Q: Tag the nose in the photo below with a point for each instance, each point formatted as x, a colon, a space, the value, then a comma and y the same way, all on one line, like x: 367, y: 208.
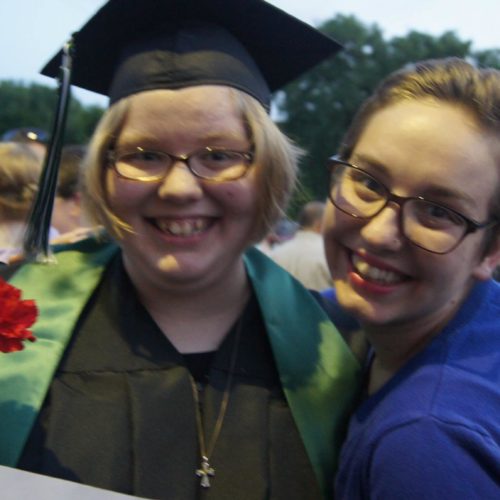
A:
x: 384, y: 230
x: 180, y: 184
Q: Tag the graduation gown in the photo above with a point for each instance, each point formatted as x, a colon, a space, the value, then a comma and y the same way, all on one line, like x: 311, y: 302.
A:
x: 119, y: 413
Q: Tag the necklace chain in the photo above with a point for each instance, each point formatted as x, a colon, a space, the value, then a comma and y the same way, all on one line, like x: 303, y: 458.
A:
x: 206, y: 471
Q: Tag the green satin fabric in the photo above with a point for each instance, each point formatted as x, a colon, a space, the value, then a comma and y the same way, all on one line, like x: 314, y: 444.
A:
x: 318, y: 372
x: 60, y: 291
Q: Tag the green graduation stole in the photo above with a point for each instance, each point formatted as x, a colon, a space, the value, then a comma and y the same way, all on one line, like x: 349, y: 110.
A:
x: 318, y: 373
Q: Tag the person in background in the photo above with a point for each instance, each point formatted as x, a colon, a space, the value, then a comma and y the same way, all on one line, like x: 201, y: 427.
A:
x: 283, y: 230
x: 412, y: 238
x: 20, y: 169
x: 303, y: 256
x: 68, y: 220
x: 166, y: 364
x: 35, y: 137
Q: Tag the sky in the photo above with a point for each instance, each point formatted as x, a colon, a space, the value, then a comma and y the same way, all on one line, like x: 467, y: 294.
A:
x: 33, y: 30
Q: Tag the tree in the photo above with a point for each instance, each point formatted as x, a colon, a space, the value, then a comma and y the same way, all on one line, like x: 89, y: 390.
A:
x: 34, y: 105
x: 316, y: 109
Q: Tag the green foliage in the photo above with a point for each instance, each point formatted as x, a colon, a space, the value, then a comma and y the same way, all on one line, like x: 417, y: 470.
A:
x: 316, y: 109
x: 488, y: 58
x: 34, y: 105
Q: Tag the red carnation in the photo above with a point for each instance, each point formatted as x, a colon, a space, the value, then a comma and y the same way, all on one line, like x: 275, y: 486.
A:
x: 16, y: 316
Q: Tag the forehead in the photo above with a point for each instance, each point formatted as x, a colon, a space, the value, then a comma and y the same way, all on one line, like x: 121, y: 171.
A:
x: 430, y: 144
x: 200, y: 110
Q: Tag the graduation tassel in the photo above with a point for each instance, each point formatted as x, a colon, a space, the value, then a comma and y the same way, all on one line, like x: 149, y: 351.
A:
x: 36, y: 240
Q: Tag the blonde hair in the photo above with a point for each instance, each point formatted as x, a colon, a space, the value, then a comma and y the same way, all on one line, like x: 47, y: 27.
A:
x: 275, y: 163
x: 20, y: 170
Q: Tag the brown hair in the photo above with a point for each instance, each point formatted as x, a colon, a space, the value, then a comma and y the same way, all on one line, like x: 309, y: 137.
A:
x: 20, y: 170
x: 451, y: 80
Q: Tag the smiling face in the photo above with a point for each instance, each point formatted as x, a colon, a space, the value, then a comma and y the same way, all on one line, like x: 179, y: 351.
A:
x: 186, y: 231
x: 415, y: 148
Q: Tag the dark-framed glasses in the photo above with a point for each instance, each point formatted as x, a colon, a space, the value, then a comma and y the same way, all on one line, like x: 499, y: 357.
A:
x: 209, y: 163
x: 428, y: 225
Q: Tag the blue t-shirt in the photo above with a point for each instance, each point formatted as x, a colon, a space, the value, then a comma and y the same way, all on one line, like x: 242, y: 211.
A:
x: 433, y: 430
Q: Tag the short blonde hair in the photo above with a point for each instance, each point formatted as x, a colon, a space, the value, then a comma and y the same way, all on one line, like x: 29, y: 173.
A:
x: 275, y: 161
x: 20, y: 170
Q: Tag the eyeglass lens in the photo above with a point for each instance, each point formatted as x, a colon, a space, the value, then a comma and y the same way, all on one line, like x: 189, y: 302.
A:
x: 207, y: 163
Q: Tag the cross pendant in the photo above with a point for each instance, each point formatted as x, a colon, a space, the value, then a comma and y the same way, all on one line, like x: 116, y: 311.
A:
x: 205, y: 472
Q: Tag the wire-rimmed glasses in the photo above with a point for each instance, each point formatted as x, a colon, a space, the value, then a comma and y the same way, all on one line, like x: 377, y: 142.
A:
x: 208, y: 163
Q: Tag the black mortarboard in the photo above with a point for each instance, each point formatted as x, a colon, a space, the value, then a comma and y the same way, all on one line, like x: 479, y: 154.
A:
x: 133, y: 45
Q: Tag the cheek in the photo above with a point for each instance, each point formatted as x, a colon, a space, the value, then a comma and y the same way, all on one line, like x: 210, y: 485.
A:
x: 333, y: 227
x: 457, y: 267
x: 122, y: 194
x: 237, y: 197
x: 330, y: 236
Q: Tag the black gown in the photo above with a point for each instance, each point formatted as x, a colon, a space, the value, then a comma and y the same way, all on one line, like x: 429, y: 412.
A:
x: 120, y: 412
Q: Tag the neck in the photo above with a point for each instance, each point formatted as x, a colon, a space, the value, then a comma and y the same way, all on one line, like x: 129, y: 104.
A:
x: 395, y: 345
x: 197, y: 319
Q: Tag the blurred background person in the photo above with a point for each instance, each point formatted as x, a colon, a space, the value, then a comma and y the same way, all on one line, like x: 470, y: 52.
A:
x: 35, y: 137
x: 282, y: 231
x: 67, y: 212
x: 303, y: 255
x: 20, y: 169
x: 68, y: 221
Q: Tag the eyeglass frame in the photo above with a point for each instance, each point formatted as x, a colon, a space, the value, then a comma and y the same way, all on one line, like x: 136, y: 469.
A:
x: 471, y: 225
x: 113, y: 158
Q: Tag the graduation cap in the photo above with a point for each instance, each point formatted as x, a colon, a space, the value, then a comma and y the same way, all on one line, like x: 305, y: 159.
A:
x: 131, y: 46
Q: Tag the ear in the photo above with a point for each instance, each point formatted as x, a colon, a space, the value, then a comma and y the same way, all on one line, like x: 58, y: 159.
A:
x: 490, y: 261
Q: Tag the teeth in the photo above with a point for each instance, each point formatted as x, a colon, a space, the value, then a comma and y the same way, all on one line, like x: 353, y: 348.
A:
x: 374, y: 273
x: 175, y: 228
x: 183, y: 228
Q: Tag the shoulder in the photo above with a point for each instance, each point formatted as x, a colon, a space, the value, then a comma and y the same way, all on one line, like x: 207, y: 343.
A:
x: 8, y: 270
x: 68, y: 259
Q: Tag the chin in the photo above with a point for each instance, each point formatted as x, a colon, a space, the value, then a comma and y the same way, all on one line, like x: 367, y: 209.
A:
x: 356, y: 306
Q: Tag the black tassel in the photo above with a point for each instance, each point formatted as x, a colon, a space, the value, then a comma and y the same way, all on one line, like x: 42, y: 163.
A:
x: 36, y: 240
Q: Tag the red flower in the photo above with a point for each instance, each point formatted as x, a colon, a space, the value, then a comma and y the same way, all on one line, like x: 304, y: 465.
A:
x: 16, y: 316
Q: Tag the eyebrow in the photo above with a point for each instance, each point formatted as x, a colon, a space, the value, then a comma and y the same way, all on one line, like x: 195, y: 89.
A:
x: 151, y: 140
x: 430, y: 192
